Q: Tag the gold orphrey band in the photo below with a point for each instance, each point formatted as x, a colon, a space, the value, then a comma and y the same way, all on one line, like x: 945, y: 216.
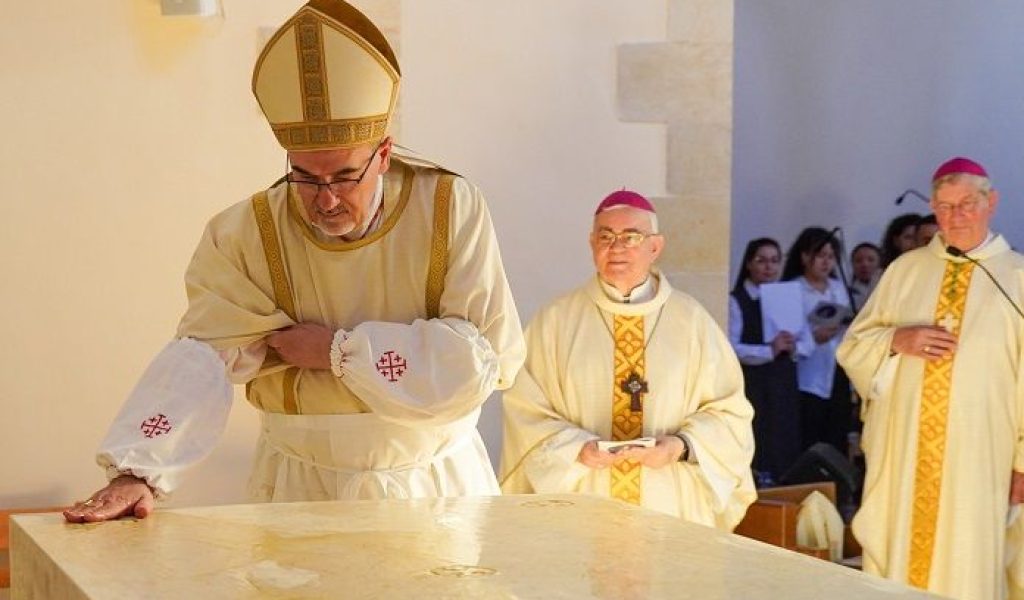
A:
x: 627, y: 424
x: 931, y: 427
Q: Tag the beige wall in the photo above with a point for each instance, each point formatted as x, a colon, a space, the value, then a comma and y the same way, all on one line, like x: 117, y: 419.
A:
x: 127, y: 130
x: 686, y: 83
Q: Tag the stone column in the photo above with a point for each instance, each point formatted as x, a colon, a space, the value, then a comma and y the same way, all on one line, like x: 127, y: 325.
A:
x: 686, y: 83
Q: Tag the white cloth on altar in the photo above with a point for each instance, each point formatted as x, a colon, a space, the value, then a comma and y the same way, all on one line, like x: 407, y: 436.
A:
x: 563, y: 399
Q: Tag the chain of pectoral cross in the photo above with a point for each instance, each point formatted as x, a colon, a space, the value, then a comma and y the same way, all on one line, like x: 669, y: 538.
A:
x: 634, y: 385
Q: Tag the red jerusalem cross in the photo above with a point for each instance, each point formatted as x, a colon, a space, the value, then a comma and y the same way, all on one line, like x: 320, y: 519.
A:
x: 155, y: 426
x: 391, y: 365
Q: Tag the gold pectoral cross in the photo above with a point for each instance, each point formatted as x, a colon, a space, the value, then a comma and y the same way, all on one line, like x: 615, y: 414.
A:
x: 635, y: 386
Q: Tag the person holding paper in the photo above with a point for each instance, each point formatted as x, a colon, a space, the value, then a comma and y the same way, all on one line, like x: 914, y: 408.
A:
x: 769, y: 369
x: 826, y: 409
x: 937, y: 355
x: 623, y: 357
x: 361, y: 299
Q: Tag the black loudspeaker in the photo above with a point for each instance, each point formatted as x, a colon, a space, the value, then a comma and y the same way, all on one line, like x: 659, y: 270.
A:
x: 822, y: 462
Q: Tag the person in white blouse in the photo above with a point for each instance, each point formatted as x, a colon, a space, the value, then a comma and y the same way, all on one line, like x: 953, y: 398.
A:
x: 826, y: 407
x: 769, y: 367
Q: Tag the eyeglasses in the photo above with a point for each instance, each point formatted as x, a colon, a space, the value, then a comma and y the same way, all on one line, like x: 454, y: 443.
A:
x: 337, y: 187
x: 967, y: 207
x: 629, y: 238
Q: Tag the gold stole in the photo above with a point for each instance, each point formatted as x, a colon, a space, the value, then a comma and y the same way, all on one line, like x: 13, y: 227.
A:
x: 626, y: 423
x: 284, y: 297
x: 931, y: 426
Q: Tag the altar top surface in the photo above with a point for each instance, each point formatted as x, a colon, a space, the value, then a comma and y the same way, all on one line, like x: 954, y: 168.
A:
x: 483, y: 547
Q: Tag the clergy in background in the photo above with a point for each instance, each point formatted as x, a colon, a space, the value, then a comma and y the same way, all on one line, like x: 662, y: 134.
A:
x: 627, y: 357
x: 361, y: 299
x: 937, y: 354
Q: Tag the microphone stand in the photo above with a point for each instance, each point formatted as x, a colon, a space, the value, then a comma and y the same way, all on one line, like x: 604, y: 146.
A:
x: 914, y: 193
x: 958, y: 253
x: 842, y: 272
x: 841, y: 256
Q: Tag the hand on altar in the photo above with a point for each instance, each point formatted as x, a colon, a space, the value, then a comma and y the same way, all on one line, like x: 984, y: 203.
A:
x: 306, y: 345
x: 666, y: 451
x: 595, y: 458
x: 1016, y: 487
x: 123, y: 497
x: 924, y: 341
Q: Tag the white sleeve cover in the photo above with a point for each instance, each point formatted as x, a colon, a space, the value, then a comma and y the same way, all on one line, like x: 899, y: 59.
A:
x: 172, y: 419
x: 432, y: 371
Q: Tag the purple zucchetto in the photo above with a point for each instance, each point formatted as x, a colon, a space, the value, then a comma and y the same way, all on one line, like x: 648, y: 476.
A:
x: 958, y: 165
x: 624, y: 198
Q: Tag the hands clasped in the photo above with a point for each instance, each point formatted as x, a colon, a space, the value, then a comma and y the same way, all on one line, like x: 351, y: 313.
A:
x: 666, y: 451
x: 929, y: 342
x: 306, y: 345
x: 783, y: 342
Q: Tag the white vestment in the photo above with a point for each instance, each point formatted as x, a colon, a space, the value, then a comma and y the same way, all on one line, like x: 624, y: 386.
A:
x: 401, y: 421
x: 984, y: 427
x: 563, y: 399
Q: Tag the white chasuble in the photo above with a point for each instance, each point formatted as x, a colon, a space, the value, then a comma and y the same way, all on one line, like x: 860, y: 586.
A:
x: 941, y: 437
x: 431, y: 332
x: 571, y: 391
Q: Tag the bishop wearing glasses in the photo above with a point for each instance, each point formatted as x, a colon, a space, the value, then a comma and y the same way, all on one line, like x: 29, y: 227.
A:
x: 361, y: 300
x: 630, y: 389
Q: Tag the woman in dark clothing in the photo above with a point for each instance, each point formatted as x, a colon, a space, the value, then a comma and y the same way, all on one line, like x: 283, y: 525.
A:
x: 769, y: 368
x: 899, y: 237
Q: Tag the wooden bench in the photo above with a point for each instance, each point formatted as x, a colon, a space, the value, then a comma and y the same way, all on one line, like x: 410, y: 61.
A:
x: 5, y: 539
x: 772, y: 518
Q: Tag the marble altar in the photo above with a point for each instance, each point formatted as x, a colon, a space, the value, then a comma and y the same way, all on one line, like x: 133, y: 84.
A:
x: 555, y: 546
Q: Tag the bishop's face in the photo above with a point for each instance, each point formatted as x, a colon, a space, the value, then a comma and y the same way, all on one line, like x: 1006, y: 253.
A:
x: 963, y: 212
x: 339, y: 208
x: 619, y: 263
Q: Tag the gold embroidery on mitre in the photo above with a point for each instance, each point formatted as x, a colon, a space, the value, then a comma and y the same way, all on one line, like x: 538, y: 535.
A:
x: 627, y: 424
x: 296, y: 95
x: 931, y: 429
x: 312, y: 72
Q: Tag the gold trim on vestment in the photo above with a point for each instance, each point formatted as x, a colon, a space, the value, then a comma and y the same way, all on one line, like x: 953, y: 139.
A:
x: 931, y: 428
x: 272, y: 250
x: 627, y: 424
x: 342, y: 245
x: 439, y: 245
x: 282, y: 289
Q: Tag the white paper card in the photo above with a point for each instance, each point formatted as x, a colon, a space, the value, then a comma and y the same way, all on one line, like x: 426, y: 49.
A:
x: 610, y: 446
x: 781, y: 309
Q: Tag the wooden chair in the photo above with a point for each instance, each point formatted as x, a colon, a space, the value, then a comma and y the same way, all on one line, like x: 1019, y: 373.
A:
x: 5, y: 539
x: 772, y: 518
